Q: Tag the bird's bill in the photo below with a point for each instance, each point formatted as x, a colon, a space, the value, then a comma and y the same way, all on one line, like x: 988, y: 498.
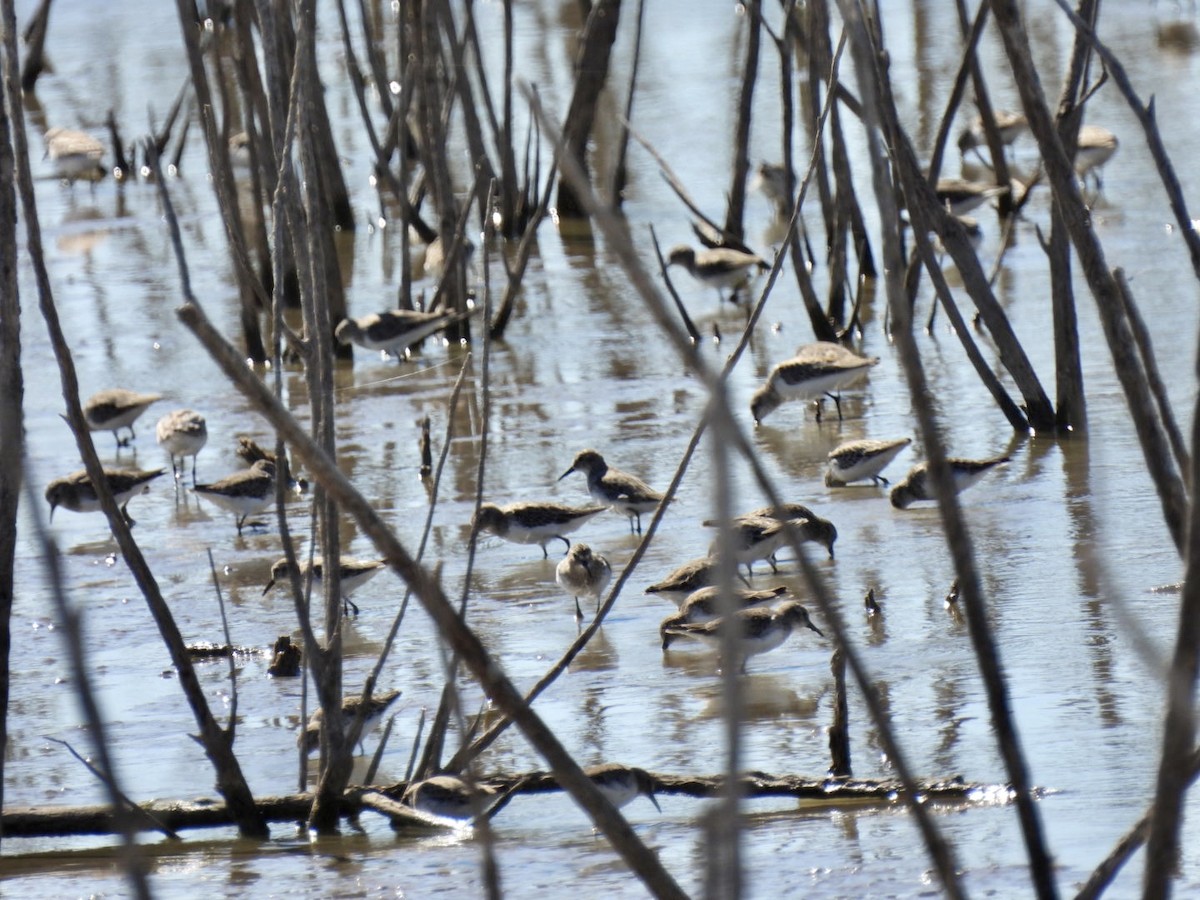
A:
x: 53, y: 507
x: 566, y: 473
x: 815, y: 628
x: 654, y: 800
x: 270, y: 584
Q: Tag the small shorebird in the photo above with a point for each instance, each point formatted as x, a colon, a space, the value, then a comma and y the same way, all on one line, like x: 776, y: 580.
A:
x: 352, y: 574
x: 1096, y: 146
x: 614, y: 488
x: 916, y: 485
x: 76, y: 493
x: 721, y: 267
x: 181, y: 433
x: 819, y: 368
x: 960, y: 196
x: 689, y: 577
x: 752, y: 538
x: 622, y: 784
x: 703, y: 605
x: 810, y: 526
x: 449, y: 797
x: 860, y: 460
x: 310, y: 737
x: 1009, y: 127
x: 582, y: 573
x: 244, y: 493
x: 759, y: 629
x: 75, y: 154
x: 533, y: 523
x: 394, y: 331
x: 115, y: 409
x: 771, y: 179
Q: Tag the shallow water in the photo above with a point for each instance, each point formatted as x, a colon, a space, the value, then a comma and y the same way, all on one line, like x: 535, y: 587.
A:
x: 1069, y: 536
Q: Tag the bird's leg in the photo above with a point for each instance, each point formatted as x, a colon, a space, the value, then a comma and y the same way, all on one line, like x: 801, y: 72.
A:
x: 745, y: 580
x: 932, y: 315
x: 771, y: 560
x: 578, y: 612
x: 837, y: 401
x: 125, y: 513
x: 879, y: 479
x: 817, y: 404
x: 565, y: 541
x: 239, y: 525
x: 545, y: 552
x: 193, y: 471
x: 346, y: 601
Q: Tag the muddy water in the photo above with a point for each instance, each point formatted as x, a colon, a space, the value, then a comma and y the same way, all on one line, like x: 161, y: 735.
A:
x: 1069, y: 536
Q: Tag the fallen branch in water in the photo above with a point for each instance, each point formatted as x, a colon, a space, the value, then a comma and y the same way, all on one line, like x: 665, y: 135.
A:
x: 204, y: 813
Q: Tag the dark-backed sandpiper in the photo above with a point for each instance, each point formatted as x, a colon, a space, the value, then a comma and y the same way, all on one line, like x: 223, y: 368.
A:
x: 310, y: 737
x: 689, y: 577
x: 76, y: 492
x: 622, y: 784
x: 917, y: 486
x: 449, y: 797
x: 960, y: 196
x: 821, y: 368
x: 533, y: 523
x: 704, y: 605
x: 721, y: 267
x: 353, y: 574
x: 245, y: 493
x: 394, y: 331
x: 760, y: 629
x: 751, y: 538
x: 860, y: 460
x: 809, y: 526
x: 115, y: 409
x: 614, y: 488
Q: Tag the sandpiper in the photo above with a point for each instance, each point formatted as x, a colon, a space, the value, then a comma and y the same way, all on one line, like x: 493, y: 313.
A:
x: 181, y: 433
x: 703, y: 605
x: 1009, y: 127
x: 76, y: 493
x: 1096, y: 146
x: 860, y: 460
x: 352, y: 573
x: 752, y: 538
x: 394, y: 331
x: 244, y: 493
x: 533, y: 523
x: 582, y: 573
x: 721, y: 267
x: 115, y: 409
x: 819, y: 368
x: 310, y: 737
x: 960, y: 196
x: 689, y: 577
x: 614, y: 488
x: 807, y: 523
x: 449, y: 797
x: 75, y: 154
x: 759, y: 629
x: 916, y: 485
x: 622, y: 784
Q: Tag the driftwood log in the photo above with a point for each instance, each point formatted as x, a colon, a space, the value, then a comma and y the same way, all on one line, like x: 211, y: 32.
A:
x: 211, y: 813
